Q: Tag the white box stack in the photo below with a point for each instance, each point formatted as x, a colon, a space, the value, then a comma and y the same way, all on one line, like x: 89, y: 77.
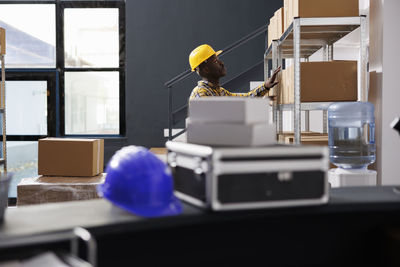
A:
x: 230, y: 121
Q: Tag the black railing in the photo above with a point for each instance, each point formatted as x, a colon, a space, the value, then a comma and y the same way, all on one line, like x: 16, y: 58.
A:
x: 180, y: 114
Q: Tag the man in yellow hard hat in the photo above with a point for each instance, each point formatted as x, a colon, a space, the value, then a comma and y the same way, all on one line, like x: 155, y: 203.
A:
x: 204, y: 60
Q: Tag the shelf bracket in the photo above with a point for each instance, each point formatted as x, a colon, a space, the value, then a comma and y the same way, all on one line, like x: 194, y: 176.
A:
x: 297, y: 111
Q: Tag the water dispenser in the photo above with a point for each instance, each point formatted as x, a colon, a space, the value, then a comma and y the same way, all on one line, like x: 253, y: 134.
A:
x: 351, y: 143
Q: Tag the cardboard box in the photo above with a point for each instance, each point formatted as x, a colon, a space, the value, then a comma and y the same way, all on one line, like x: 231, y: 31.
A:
x: 242, y: 110
x: 274, y: 91
x: 282, y: 85
x: 160, y: 152
x: 321, y: 82
x: 309, y: 140
x: 286, y: 10
x: 279, y: 14
x: 70, y: 157
x: 282, y: 89
x: 2, y: 41
x: 224, y: 134
x: 325, y: 8
x: 306, y: 137
x: 272, y: 34
x: 320, y: 8
x: 46, y: 189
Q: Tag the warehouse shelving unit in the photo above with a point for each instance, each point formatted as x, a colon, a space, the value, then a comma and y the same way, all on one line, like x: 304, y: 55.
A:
x: 3, y: 155
x: 303, y: 38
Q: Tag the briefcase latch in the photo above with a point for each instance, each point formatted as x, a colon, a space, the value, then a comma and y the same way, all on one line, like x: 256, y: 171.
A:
x: 198, y: 169
x: 172, y: 159
x: 285, y: 176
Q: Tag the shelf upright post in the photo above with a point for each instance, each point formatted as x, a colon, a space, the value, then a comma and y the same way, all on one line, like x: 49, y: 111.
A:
x: 330, y: 52
x: 363, y: 61
x: 296, y: 50
x: 325, y: 121
x: 277, y: 116
x: 3, y: 106
x: 3, y: 95
x: 280, y: 115
x: 275, y: 56
x: 328, y: 56
x: 307, y: 112
x: 266, y: 67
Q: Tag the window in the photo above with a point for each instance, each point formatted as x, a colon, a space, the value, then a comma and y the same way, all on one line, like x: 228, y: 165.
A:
x: 91, y: 78
x: 65, y: 74
x: 91, y: 102
x: 26, y: 104
x: 30, y: 115
x: 91, y: 37
x: 31, y: 35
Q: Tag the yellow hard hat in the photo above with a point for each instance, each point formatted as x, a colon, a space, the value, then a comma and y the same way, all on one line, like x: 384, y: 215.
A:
x: 200, y: 54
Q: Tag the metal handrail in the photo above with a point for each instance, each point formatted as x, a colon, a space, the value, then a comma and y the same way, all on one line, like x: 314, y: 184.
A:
x: 225, y: 51
x: 187, y: 73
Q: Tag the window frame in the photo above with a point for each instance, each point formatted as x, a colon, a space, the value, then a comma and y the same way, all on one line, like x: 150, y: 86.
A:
x: 51, y: 76
x: 55, y: 76
x: 60, y: 59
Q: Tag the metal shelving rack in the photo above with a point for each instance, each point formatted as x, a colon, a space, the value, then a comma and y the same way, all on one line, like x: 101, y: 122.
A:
x: 3, y: 158
x: 303, y: 38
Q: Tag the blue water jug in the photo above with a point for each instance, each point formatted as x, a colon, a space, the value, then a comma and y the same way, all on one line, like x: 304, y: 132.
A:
x: 351, y: 134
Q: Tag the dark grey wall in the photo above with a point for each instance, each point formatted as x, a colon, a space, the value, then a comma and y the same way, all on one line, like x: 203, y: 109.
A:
x: 160, y: 34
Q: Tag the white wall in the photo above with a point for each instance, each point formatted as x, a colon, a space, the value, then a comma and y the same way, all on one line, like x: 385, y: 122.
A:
x: 390, y: 91
x: 384, y: 85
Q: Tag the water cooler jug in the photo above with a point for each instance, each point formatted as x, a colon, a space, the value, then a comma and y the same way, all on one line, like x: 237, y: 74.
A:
x: 351, y: 143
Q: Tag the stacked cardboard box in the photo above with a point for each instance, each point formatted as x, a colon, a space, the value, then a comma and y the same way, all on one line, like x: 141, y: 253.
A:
x: 70, y: 157
x: 311, y: 91
x: 283, y: 17
x: 160, y: 152
x: 48, y: 189
x: 69, y: 169
x: 321, y: 82
x: 276, y: 26
x: 318, y: 8
x: 230, y: 121
x: 307, y: 138
x: 275, y: 31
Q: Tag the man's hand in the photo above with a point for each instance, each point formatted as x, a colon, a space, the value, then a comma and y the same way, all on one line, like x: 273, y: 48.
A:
x: 271, y: 81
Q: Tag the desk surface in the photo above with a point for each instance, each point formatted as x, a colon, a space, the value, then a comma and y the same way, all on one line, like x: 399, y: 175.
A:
x: 100, y: 215
x: 348, y: 231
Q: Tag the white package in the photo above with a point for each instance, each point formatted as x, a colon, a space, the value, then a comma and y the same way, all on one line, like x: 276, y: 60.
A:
x: 229, y: 134
x: 243, y: 110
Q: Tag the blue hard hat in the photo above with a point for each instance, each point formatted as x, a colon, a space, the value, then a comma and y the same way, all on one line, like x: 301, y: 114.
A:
x: 138, y: 181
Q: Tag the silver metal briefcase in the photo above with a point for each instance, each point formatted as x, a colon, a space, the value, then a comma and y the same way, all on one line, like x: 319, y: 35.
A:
x: 231, y: 178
